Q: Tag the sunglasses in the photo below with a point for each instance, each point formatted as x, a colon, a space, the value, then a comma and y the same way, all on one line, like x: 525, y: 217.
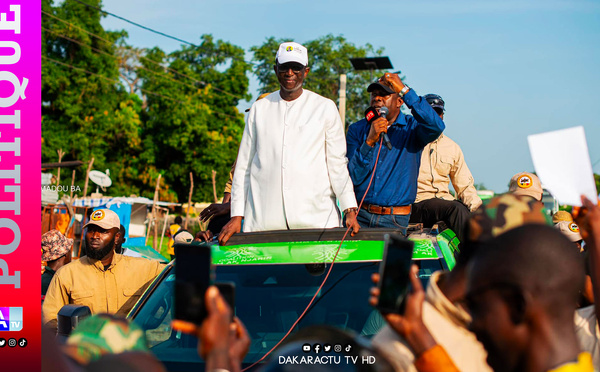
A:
x: 294, y: 66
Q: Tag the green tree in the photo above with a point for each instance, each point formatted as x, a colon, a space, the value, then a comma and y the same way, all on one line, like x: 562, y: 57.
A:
x: 480, y: 186
x: 139, y: 113
x: 328, y: 57
x: 191, y: 125
x: 85, y: 110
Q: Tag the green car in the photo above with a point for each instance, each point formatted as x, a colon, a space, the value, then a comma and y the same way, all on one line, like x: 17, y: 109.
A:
x: 276, y: 274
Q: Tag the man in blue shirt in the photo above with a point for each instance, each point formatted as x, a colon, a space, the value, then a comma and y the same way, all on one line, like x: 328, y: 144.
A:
x: 394, y: 187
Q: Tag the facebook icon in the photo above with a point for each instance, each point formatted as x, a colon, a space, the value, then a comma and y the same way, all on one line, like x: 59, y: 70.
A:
x: 11, y: 318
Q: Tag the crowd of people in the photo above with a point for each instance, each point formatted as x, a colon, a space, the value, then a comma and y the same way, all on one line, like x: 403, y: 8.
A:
x: 520, y: 297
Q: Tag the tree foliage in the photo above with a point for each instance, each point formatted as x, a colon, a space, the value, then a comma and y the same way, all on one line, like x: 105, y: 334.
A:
x: 480, y: 186
x: 328, y: 57
x: 139, y: 112
x: 85, y: 111
x: 192, y: 125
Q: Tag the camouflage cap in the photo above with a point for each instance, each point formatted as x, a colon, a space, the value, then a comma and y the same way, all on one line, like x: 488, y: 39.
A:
x: 103, y: 334
x: 55, y: 245
x: 562, y: 216
x: 504, y: 213
x: 570, y: 229
x: 526, y: 183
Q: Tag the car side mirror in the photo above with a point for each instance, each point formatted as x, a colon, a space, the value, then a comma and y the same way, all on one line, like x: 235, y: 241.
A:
x: 69, y: 317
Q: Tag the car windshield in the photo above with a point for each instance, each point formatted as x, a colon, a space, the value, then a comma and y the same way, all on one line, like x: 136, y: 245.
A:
x: 427, y: 268
x: 269, y: 299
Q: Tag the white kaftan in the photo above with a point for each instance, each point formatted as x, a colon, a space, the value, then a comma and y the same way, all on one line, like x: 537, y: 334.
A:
x: 292, y: 165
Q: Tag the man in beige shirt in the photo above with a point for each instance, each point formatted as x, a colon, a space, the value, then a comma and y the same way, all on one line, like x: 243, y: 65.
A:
x: 443, y: 162
x: 104, y: 281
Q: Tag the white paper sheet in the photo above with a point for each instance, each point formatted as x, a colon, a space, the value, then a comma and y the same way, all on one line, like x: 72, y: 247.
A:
x: 562, y: 162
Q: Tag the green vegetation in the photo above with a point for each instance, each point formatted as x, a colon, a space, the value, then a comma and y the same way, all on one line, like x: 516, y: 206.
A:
x: 163, y: 248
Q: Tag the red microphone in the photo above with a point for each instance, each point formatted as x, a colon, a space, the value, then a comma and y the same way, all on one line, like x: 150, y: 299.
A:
x: 371, y: 115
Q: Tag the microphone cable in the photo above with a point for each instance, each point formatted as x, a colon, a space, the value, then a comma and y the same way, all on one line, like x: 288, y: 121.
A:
x: 330, y: 267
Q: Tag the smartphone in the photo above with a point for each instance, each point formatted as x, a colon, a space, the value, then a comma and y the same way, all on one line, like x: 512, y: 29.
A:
x: 227, y: 290
x: 193, y: 276
x: 394, y: 273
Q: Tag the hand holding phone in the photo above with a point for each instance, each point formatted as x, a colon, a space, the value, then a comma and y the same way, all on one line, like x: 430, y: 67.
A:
x: 409, y: 325
x: 193, y: 276
x: 394, y: 274
x: 227, y: 291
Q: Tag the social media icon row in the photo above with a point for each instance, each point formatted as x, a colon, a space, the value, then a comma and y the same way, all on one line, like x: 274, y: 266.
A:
x: 327, y: 348
x: 12, y: 342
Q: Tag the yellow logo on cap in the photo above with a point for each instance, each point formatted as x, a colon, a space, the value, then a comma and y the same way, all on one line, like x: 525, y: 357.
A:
x: 524, y: 182
x: 573, y: 227
x: 98, y: 215
x: 289, y: 48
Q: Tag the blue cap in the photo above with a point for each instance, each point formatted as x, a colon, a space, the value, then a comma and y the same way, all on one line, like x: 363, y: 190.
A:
x: 435, y: 101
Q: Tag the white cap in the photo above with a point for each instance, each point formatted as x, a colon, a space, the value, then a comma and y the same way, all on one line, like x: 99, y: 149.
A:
x: 570, y: 229
x: 526, y: 183
x: 292, y: 52
x: 183, y: 237
x: 105, y: 218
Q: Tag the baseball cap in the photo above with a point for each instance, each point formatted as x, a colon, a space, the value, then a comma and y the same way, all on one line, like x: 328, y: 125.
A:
x: 183, y: 236
x: 55, y: 245
x: 570, y: 229
x: 105, y: 218
x: 526, y: 183
x: 562, y: 216
x: 292, y: 52
x: 103, y: 334
x: 435, y: 101
x: 378, y: 85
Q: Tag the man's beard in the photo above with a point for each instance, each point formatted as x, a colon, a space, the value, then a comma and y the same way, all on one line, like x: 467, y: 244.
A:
x: 98, y: 254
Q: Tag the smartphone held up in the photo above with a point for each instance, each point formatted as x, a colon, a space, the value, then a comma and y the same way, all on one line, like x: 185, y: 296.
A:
x: 193, y: 276
x: 394, y: 272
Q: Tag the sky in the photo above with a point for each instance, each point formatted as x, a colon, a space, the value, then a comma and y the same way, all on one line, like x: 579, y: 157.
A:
x: 506, y: 69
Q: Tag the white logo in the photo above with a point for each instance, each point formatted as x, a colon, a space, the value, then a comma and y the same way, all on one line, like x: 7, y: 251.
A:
x: 327, y: 253
x: 2, y: 321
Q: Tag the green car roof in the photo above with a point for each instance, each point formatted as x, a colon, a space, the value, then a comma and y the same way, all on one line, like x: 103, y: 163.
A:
x: 317, y: 251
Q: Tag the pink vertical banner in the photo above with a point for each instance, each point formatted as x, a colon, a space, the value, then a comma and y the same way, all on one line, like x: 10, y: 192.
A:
x: 20, y: 184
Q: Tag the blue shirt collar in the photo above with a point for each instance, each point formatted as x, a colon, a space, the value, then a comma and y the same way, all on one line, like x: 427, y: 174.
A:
x: 401, y: 119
